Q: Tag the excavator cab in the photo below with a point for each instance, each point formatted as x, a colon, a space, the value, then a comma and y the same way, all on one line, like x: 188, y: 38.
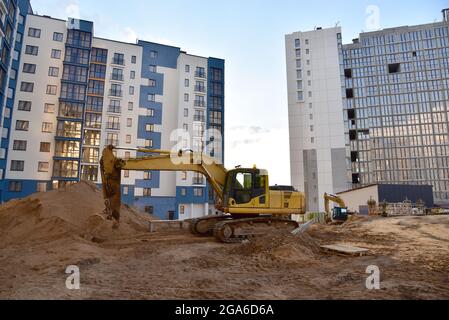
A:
x: 246, y: 188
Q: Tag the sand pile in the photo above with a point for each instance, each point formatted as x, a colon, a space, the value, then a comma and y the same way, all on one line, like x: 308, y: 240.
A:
x: 74, y: 211
x: 282, y: 247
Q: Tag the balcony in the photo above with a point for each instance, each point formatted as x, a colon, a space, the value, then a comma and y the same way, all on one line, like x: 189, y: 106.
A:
x: 114, y: 109
x: 113, y: 126
x: 201, y: 75
x: 117, y: 77
x: 116, y: 93
x: 200, y: 103
x: 200, y: 89
x: 112, y: 142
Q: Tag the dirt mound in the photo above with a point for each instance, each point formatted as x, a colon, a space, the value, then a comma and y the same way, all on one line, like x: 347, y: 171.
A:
x: 74, y: 211
x: 281, y: 247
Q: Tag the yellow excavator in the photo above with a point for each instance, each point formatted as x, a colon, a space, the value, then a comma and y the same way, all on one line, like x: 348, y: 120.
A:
x: 339, y: 213
x: 249, y: 205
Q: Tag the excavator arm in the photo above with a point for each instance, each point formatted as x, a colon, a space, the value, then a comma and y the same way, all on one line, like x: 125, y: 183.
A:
x: 333, y: 198
x: 159, y: 160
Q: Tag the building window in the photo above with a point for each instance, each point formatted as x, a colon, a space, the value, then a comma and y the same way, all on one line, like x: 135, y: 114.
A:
x: 150, y: 112
x: 56, y: 54
x: 29, y: 68
x: 182, y: 210
x: 99, y: 55
x: 200, y: 72
x: 307, y: 51
x: 186, y: 112
x: 52, y: 90
x: 184, y: 175
x: 300, y: 96
x: 132, y: 75
x: 45, y: 147
x: 149, y: 128
x: 42, y: 187
x: 116, y: 90
x: 133, y: 59
x: 22, y: 125
x: 117, y: 74
x: 126, y: 173
x: 129, y: 122
x: 147, y: 192
x: 20, y: 145
x: 185, y: 127
x: 149, y: 209
x: 153, y: 68
x: 58, y: 36
x: 43, y: 167
x: 47, y: 127
x: 148, y: 143
x: 114, y: 106
x: 24, y: 105
x: 27, y: 87
x: 151, y: 97
x: 186, y: 83
x: 34, y: 33
x: 183, y: 192
x: 131, y: 90
x: 125, y: 190
x: 151, y: 82
x: 17, y: 165
x: 119, y: 59
x: 147, y: 175
x: 128, y: 138
x: 15, y: 186
x: 297, y: 43
x: 187, y: 68
x: 49, y: 108
x: 394, y: 68
x: 130, y: 106
x: 153, y: 54
x: 53, y: 72
x: 127, y: 155
x: 198, y: 192
x: 186, y: 97
x: 298, y: 53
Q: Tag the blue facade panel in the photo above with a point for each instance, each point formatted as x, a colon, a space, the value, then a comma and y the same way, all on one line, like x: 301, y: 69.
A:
x: 161, y: 205
x: 28, y: 188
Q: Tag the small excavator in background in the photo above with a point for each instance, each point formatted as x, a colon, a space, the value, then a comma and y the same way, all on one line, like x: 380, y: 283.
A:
x: 249, y: 205
x: 339, y: 213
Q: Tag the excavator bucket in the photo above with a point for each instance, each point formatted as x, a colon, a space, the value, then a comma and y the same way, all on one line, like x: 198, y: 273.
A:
x: 111, y: 179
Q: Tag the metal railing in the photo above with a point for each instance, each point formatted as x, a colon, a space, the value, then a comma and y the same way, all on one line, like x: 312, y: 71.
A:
x: 200, y: 75
x: 200, y: 103
x: 198, y: 180
x: 199, y: 118
x: 200, y: 89
x: 115, y: 109
x: 116, y: 93
x: 117, y: 77
x: 113, y: 126
x: 119, y: 62
x: 112, y: 142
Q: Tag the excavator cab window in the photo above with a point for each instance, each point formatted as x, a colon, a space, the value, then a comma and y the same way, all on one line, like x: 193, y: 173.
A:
x: 242, y: 192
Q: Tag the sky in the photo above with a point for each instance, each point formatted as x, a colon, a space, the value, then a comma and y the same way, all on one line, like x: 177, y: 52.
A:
x: 249, y: 35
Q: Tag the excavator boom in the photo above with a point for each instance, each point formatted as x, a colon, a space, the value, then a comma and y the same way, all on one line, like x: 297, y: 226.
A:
x: 111, y: 168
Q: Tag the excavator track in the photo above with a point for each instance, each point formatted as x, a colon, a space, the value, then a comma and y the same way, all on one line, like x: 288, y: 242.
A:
x: 238, y: 230
x: 205, y: 226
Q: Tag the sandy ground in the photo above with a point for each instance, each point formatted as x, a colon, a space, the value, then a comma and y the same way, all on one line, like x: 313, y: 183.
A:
x: 41, y: 236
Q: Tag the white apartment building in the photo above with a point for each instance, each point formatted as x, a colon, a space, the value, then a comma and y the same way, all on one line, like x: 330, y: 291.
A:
x: 77, y: 93
x: 317, y: 135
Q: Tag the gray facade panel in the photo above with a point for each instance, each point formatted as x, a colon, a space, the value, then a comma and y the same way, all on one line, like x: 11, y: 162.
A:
x: 310, y: 180
x: 339, y: 170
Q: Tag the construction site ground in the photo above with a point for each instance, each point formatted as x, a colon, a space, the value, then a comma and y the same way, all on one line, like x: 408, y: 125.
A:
x: 43, y: 234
